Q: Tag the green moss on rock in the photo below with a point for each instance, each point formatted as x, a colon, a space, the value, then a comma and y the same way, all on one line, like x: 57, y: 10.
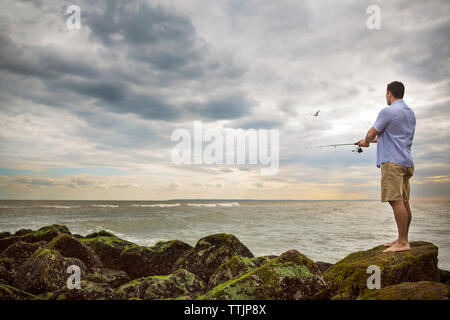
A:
x: 421, y: 290
x: 87, y: 291
x: 290, y: 276
x: 20, y: 251
x: 46, y: 234
x: 69, y: 246
x: 45, y: 271
x: 210, y: 252
x: 8, y: 292
x: 348, y: 277
x: 177, y: 284
x: 113, y: 278
x: 156, y: 260
x: 108, y: 248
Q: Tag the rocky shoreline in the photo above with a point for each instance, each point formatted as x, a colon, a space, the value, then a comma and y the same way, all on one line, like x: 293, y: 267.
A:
x: 34, y: 266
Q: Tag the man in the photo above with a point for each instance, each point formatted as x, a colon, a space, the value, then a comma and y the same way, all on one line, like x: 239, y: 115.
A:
x: 393, y: 131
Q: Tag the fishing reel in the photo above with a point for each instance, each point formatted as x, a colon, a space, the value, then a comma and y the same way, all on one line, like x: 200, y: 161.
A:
x: 358, y: 150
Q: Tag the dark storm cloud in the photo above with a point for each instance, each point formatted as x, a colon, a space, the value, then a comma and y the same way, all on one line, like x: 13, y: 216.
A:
x: 40, y: 62
x: 147, y: 52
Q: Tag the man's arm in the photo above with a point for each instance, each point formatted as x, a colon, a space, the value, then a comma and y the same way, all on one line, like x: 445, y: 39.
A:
x: 371, y: 137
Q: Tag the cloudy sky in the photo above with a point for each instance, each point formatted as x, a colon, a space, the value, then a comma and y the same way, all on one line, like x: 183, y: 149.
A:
x: 88, y: 113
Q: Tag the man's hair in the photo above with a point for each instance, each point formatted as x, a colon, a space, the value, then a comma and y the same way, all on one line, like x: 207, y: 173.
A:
x: 397, y: 89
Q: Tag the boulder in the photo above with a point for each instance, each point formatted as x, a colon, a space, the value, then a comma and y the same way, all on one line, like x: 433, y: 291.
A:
x: 108, y: 248
x: 22, y: 232
x: 235, y: 267
x: 323, y: 266
x: 20, y: 251
x: 43, y: 234
x: 291, y: 276
x: 422, y: 290
x: 177, y: 284
x: 210, y: 252
x: 5, y: 234
x: 88, y: 291
x: 444, y: 276
x: 156, y: 260
x: 8, y: 292
x: 45, y: 271
x: 7, y: 268
x: 69, y: 246
x: 114, y: 278
x: 348, y: 277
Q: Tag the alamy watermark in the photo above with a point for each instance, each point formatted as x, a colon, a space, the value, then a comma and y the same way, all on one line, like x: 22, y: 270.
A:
x: 374, y: 280
x: 73, y: 282
x: 73, y: 21
x: 373, y: 22
x: 219, y: 146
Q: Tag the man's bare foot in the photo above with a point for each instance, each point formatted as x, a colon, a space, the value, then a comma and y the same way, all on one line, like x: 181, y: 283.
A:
x: 398, y: 246
x: 390, y: 243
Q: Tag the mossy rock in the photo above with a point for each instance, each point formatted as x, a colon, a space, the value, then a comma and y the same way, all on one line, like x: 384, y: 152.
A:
x: 444, y: 276
x: 231, y: 269
x: 421, y: 290
x: 23, y: 232
x: 5, y: 234
x: 8, y: 292
x: 113, y: 278
x: 5, y: 275
x: 177, y: 284
x: 69, y: 246
x: 348, y: 277
x: 156, y: 260
x: 108, y: 248
x: 87, y: 291
x: 45, y: 271
x: 291, y: 276
x: 210, y: 252
x: 46, y: 234
x: 20, y: 251
x: 323, y: 266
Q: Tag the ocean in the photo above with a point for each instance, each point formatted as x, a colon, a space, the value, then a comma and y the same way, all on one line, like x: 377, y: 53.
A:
x: 322, y: 230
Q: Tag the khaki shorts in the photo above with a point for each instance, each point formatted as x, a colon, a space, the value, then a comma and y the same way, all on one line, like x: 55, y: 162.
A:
x: 395, y: 182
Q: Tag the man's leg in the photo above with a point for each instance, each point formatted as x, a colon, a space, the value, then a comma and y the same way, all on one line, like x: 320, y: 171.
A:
x: 408, y: 211
x: 402, y: 220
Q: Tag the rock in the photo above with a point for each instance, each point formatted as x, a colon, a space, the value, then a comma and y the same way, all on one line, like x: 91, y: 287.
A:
x: 45, y: 271
x: 22, y: 232
x: 5, y: 234
x: 69, y: 246
x: 7, y: 269
x: 348, y: 277
x: 108, y: 248
x: 210, y: 252
x: 261, y: 260
x: 444, y: 276
x: 10, y: 293
x: 148, y: 261
x: 43, y: 234
x: 179, y: 283
x: 323, y: 266
x: 422, y: 290
x: 114, y: 278
x: 88, y: 291
x: 20, y: 251
x: 5, y: 275
x: 291, y: 276
x: 233, y: 268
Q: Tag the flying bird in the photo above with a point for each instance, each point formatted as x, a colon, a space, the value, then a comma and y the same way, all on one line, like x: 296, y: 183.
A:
x: 316, y: 114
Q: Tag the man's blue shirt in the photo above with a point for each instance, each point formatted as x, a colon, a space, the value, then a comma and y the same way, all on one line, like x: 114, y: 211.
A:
x: 396, y: 124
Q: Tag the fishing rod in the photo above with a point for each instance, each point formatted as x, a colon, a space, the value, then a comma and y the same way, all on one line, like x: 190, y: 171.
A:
x: 358, y: 149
